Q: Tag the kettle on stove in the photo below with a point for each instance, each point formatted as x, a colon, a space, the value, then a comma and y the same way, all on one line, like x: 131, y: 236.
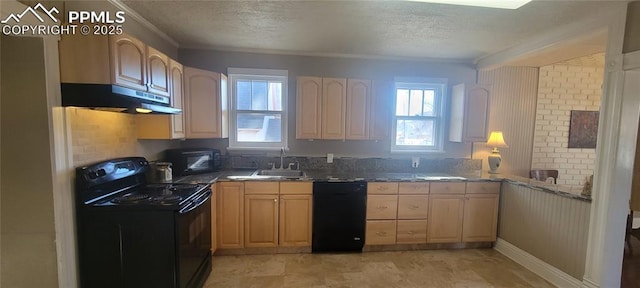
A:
x: 159, y: 172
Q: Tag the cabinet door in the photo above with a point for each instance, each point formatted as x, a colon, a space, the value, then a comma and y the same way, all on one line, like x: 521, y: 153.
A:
x: 230, y: 212
x: 202, y: 103
x: 128, y: 61
x: 295, y: 220
x: 214, y: 218
x: 380, y: 232
x: 480, y: 218
x: 261, y: 220
x: 476, y: 121
x: 158, y: 72
x: 413, y: 206
x: 308, y: 108
x: 334, y: 92
x: 483, y: 187
x: 411, y: 232
x: 382, y: 206
x: 357, y: 115
x: 445, y: 218
x: 176, y: 76
x: 413, y: 188
x: 382, y: 188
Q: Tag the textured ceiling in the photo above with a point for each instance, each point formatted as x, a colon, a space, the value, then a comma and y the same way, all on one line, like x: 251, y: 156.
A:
x: 360, y: 28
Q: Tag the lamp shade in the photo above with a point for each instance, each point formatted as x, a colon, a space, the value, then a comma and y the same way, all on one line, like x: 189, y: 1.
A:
x: 496, y: 140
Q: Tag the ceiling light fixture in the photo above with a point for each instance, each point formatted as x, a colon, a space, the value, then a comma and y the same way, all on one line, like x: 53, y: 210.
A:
x: 501, y: 4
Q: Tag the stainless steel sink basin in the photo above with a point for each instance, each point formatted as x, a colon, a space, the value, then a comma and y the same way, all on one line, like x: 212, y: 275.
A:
x: 285, y: 173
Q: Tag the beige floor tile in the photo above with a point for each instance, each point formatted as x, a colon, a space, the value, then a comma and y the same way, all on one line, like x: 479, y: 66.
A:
x: 406, y: 269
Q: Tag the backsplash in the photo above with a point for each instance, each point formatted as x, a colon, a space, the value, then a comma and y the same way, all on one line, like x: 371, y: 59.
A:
x: 341, y: 165
x: 100, y: 135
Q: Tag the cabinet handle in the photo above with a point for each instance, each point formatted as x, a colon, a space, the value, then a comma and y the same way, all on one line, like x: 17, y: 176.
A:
x: 415, y: 206
x: 382, y: 207
x: 275, y: 200
x: 381, y: 233
x: 410, y: 232
x: 382, y: 188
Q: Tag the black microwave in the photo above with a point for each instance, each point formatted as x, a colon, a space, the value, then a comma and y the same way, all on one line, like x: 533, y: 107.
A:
x: 190, y: 161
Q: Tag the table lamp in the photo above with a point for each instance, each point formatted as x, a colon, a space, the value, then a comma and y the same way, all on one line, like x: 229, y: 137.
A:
x: 496, y: 140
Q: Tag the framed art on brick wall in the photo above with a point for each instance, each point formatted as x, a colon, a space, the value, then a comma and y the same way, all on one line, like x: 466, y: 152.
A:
x: 583, y: 129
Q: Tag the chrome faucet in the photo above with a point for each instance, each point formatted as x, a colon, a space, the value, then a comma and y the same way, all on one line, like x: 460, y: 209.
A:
x: 282, y: 158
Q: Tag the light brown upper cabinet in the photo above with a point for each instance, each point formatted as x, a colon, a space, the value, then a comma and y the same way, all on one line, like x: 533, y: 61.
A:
x: 158, y: 73
x: 309, y: 108
x: 166, y: 126
x: 469, y: 113
x: 334, y: 96
x: 339, y: 109
x: 357, y: 115
x: 205, y: 98
x: 129, y: 61
x: 115, y: 59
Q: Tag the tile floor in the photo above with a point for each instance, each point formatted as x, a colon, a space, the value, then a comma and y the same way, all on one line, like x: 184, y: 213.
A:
x: 426, y: 268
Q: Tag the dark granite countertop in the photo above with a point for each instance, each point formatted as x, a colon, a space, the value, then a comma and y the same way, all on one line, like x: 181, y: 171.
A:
x: 320, y: 175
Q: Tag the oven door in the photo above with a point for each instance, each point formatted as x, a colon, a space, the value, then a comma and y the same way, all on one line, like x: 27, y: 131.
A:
x: 194, y: 241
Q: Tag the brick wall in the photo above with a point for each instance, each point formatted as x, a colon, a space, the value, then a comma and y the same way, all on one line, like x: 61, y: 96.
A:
x: 572, y: 85
x: 100, y: 135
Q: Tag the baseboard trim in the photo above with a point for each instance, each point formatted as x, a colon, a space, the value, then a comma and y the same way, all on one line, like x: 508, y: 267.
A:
x: 544, y: 270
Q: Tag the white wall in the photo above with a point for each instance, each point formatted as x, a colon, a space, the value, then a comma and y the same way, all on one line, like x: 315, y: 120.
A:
x: 512, y: 111
x: 27, y: 233
x: 574, y: 85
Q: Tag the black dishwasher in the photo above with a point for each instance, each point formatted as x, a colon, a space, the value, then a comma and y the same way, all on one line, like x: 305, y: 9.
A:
x: 339, y: 216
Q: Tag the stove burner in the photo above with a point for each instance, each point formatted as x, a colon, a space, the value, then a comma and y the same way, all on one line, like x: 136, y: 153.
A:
x: 130, y: 198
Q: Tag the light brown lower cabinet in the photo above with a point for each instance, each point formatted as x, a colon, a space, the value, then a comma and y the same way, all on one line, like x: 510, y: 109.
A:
x: 382, y: 207
x: 230, y: 214
x: 260, y: 220
x: 480, y: 218
x: 470, y: 217
x: 445, y: 218
x: 295, y: 220
x: 380, y: 232
x: 214, y: 219
x: 411, y: 232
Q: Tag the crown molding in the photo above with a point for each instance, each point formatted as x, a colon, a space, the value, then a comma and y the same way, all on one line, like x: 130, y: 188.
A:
x: 144, y: 22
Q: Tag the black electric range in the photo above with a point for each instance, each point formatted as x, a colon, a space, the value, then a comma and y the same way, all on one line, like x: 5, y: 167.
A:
x: 137, y: 234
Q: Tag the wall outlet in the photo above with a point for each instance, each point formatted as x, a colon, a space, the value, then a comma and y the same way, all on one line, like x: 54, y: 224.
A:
x: 329, y: 157
x: 415, y: 162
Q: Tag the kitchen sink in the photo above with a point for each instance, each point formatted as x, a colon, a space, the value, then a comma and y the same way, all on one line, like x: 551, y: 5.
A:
x: 284, y: 173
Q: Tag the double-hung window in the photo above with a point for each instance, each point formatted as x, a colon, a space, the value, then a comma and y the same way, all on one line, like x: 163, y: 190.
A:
x: 258, y: 117
x: 418, y: 121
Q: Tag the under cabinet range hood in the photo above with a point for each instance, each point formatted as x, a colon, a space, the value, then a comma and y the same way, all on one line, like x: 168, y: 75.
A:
x: 115, y: 98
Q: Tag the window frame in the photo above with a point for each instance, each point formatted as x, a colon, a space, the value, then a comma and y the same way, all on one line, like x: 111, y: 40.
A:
x: 439, y: 85
x: 239, y: 74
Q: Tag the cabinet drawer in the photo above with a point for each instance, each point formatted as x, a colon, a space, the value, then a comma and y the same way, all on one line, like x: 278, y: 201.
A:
x: 483, y: 187
x: 413, y: 188
x: 411, y: 232
x: 382, y: 188
x: 298, y: 188
x: 413, y: 206
x: 447, y: 187
x: 382, y: 206
x: 261, y: 187
x: 381, y: 232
